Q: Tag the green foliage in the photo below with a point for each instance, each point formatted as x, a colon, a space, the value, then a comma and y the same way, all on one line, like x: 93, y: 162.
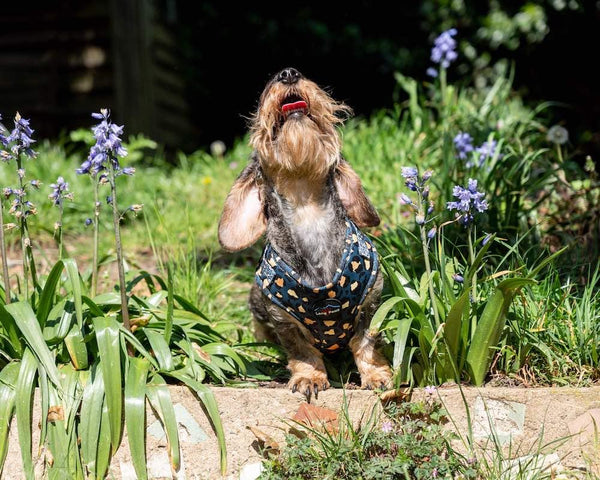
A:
x: 82, y: 359
x: 406, y: 441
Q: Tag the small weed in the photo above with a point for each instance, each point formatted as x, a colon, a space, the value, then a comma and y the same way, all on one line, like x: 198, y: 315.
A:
x: 404, y: 441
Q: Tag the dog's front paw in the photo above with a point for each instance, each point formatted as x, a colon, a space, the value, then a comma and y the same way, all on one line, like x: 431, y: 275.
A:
x: 374, y: 377
x: 309, y: 383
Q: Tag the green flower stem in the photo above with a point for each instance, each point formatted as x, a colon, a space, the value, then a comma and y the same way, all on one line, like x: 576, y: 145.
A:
x: 436, y: 315
x: 4, y: 259
x: 559, y: 154
x: 95, y: 241
x: 60, y: 231
x: 119, y: 249
x: 443, y: 86
x: 28, y: 262
x: 474, y: 278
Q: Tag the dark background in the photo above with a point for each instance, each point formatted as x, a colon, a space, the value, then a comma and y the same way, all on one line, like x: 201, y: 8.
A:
x: 188, y: 73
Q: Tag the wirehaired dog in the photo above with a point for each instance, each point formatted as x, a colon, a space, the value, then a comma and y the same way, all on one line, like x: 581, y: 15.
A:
x: 318, y: 282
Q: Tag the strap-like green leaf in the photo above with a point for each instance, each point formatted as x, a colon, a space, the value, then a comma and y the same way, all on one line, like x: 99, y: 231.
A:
x: 8, y: 381
x: 161, y: 349
x: 453, y: 328
x: 24, y: 404
x: 104, y: 447
x: 27, y: 322
x: 381, y: 313
x: 73, y: 274
x: 490, y: 326
x: 10, y: 327
x: 135, y: 413
x: 109, y: 348
x: 400, y: 339
x: 227, y: 352
x: 160, y: 399
x: 91, y: 417
x: 76, y: 347
x: 207, y: 398
x: 47, y: 295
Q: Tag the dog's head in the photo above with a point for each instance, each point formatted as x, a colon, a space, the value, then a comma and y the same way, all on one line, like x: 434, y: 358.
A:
x: 294, y: 135
x: 294, y: 128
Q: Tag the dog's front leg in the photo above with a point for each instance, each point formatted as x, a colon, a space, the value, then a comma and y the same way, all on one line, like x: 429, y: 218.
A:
x: 373, y: 367
x: 305, y: 362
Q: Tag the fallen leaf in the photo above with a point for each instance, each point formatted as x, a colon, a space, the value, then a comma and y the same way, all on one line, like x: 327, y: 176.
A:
x: 317, y: 417
x: 266, y: 444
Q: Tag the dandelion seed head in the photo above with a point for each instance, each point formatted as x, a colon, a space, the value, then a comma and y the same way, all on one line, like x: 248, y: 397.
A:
x: 557, y: 135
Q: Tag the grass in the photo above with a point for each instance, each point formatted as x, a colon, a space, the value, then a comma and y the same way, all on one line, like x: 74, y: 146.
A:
x: 550, y: 333
x: 463, y: 303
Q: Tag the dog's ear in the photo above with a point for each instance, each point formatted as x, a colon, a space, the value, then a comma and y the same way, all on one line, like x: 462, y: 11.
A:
x: 243, y: 220
x: 353, y: 197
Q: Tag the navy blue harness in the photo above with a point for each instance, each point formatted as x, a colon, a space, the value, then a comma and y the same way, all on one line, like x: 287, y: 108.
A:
x: 329, y: 311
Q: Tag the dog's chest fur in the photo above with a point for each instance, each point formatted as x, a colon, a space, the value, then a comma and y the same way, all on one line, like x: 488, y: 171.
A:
x: 307, y: 229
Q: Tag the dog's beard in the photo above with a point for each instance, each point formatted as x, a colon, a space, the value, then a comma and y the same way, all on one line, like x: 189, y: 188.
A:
x: 302, y: 149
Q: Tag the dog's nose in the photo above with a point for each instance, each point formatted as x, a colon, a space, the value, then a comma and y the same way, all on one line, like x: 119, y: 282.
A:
x: 289, y: 76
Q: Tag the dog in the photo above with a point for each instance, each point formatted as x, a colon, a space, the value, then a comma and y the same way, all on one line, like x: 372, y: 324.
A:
x: 318, y: 282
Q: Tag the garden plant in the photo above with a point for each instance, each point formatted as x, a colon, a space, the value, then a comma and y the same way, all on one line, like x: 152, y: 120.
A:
x: 489, y: 247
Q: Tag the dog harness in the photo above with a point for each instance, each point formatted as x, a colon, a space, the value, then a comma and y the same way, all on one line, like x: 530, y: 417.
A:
x: 329, y: 311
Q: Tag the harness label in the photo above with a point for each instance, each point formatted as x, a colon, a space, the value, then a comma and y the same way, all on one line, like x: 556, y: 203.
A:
x: 327, y: 307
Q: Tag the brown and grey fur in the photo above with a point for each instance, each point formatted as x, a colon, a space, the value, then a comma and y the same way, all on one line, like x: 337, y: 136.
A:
x: 299, y: 189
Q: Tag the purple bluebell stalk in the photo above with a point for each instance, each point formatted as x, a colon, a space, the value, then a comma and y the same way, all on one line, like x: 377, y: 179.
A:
x: 14, y: 146
x: 470, y: 201
x: 444, y: 48
x: 463, y: 142
x: 422, y: 208
x: 486, y: 150
x: 5, y: 277
x: 108, y: 147
x: 3, y: 132
x: 60, y: 192
x: 103, y: 165
x: 20, y: 137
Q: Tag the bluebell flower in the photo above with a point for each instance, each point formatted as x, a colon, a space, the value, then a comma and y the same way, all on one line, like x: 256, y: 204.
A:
x: 431, y: 233
x: 20, y: 138
x: 485, y: 151
x: 60, y: 191
x: 432, y: 72
x: 470, y: 201
x: 409, y: 172
x: 88, y: 222
x: 458, y: 278
x: 463, y: 142
x: 3, y: 132
x: 444, y: 48
x: 108, y: 147
x: 404, y: 199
